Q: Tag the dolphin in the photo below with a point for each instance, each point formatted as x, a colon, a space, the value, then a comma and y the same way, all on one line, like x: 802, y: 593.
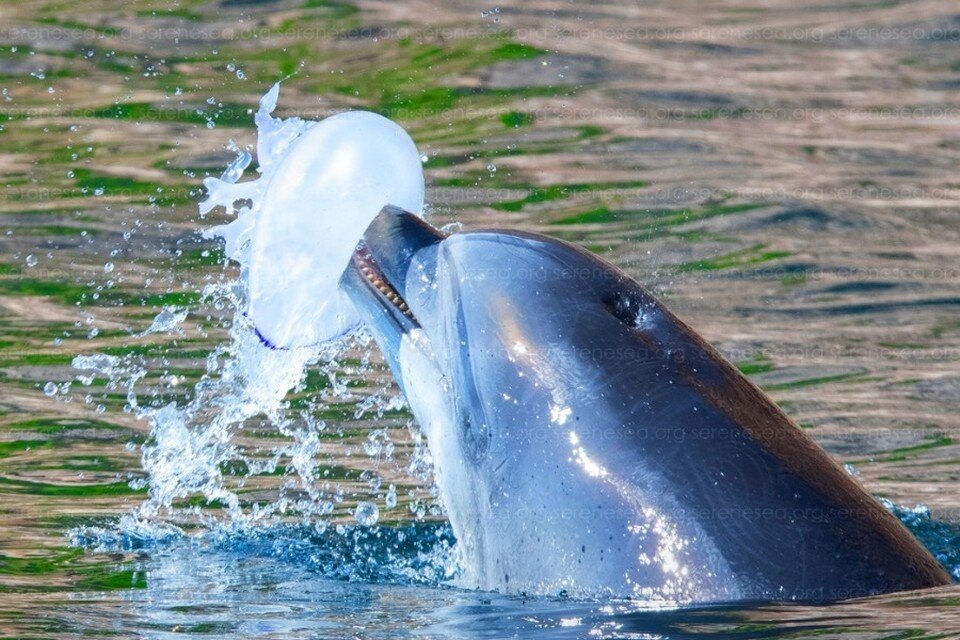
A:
x: 586, y: 441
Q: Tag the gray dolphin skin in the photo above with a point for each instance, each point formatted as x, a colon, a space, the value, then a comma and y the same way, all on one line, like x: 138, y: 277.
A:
x: 587, y: 441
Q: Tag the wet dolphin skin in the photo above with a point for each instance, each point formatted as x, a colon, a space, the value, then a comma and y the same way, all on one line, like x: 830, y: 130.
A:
x: 586, y: 440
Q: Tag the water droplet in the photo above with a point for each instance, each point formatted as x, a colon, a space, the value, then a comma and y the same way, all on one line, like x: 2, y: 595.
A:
x: 237, y: 167
x: 31, y: 260
x: 492, y: 168
x: 366, y: 514
x: 108, y: 268
x: 50, y: 389
x: 391, y: 499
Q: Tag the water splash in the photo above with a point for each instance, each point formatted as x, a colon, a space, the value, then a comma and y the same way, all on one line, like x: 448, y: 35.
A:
x: 191, y: 444
x: 244, y: 199
x: 416, y: 553
x: 942, y: 538
x: 167, y: 321
x: 199, y: 452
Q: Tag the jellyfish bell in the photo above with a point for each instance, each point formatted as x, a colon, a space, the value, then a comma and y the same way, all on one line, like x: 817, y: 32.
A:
x: 331, y: 183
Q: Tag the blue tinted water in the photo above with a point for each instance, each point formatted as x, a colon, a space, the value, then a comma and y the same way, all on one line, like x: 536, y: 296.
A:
x: 390, y: 582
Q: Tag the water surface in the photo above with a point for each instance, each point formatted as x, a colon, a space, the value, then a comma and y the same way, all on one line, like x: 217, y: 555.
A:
x: 782, y: 174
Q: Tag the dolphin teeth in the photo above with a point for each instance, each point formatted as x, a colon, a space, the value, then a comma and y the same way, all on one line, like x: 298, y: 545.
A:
x: 373, y: 275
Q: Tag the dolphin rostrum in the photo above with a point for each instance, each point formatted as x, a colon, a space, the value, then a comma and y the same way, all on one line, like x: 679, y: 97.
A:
x: 587, y: 441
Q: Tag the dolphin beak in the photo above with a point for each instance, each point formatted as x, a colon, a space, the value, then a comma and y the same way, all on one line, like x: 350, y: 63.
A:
x: 392, y: 240
x: 376, y: 278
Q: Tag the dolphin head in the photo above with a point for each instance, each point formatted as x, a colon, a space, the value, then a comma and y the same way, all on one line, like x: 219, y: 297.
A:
x: 495, y: 337
x: 586, y: 440
x: 495, y: 313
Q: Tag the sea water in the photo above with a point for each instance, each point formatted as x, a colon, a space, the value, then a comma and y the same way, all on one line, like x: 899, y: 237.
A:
x: 285, y: 317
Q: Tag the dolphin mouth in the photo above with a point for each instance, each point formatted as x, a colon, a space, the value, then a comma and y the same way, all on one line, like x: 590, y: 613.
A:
x: 377, y: 282
x: 376, y: 277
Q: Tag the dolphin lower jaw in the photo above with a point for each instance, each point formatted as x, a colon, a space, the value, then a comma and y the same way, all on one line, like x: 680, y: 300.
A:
x: 392, y: 280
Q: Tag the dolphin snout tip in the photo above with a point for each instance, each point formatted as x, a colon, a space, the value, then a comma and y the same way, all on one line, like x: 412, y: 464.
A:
x: 393, y: 238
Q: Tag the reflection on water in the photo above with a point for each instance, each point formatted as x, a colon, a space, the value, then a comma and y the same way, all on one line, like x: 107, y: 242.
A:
x: 781, y: 173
